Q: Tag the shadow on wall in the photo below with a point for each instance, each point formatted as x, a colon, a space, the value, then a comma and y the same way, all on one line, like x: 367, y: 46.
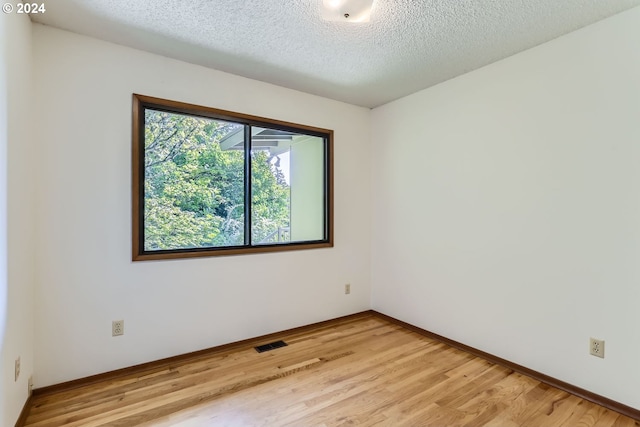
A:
x: 3, y: 194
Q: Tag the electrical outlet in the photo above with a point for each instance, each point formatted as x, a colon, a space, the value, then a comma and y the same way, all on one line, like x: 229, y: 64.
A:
x: 17, y: 369
x: 596, y: 347
x: 117, y: 328
x: 30, y: 385
x: 347, y: 289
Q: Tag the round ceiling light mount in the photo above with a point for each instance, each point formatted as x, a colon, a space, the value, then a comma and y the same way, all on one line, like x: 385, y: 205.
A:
x: 346, y: 10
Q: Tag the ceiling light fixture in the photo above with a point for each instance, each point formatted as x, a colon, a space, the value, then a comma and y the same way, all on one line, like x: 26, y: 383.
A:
x: 346, y: 10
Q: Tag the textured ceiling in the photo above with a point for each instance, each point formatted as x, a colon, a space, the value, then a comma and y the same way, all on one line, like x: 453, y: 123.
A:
x: 408, y: 45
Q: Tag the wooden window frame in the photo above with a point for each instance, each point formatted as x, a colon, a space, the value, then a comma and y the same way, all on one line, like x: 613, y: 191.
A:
x: 142, y: 102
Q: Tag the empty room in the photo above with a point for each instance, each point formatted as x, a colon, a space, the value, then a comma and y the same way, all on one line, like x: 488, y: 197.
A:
x: 320, y: 213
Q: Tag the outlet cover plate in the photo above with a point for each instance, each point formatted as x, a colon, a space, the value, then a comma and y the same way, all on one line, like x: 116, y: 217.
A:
x: 117, y: 328
x: 596, y: 347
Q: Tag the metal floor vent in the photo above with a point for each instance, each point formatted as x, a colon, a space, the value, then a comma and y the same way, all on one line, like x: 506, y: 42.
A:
x: 270, y: 346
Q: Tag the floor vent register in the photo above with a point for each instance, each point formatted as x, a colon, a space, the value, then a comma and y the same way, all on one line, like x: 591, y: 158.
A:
x: 270, y: 346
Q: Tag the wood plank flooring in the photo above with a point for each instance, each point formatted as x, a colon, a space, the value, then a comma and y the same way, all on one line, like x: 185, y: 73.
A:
x: 361, y: 371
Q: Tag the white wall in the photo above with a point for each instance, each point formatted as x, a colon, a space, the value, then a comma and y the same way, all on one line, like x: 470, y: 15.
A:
x: 507, y: 208
x: 17, y: 186
x: 4, y: 142
x: 86, y: 278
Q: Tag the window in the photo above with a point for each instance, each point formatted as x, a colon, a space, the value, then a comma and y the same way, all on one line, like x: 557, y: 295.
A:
x: 211, y: 182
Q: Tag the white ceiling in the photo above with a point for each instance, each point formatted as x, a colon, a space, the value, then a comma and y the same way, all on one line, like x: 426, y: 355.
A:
x: 408, y: 45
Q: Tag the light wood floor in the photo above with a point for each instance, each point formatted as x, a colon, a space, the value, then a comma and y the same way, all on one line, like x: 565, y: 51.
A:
x: 359, y: 371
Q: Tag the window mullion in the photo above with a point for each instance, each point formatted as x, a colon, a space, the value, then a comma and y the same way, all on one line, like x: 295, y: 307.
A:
x: 247, y: 185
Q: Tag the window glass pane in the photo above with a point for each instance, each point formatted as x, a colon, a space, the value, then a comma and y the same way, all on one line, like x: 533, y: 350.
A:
x: 270, y: 194
x: 307, y: 167
x: 193, y: 182
x: 287, y: 187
